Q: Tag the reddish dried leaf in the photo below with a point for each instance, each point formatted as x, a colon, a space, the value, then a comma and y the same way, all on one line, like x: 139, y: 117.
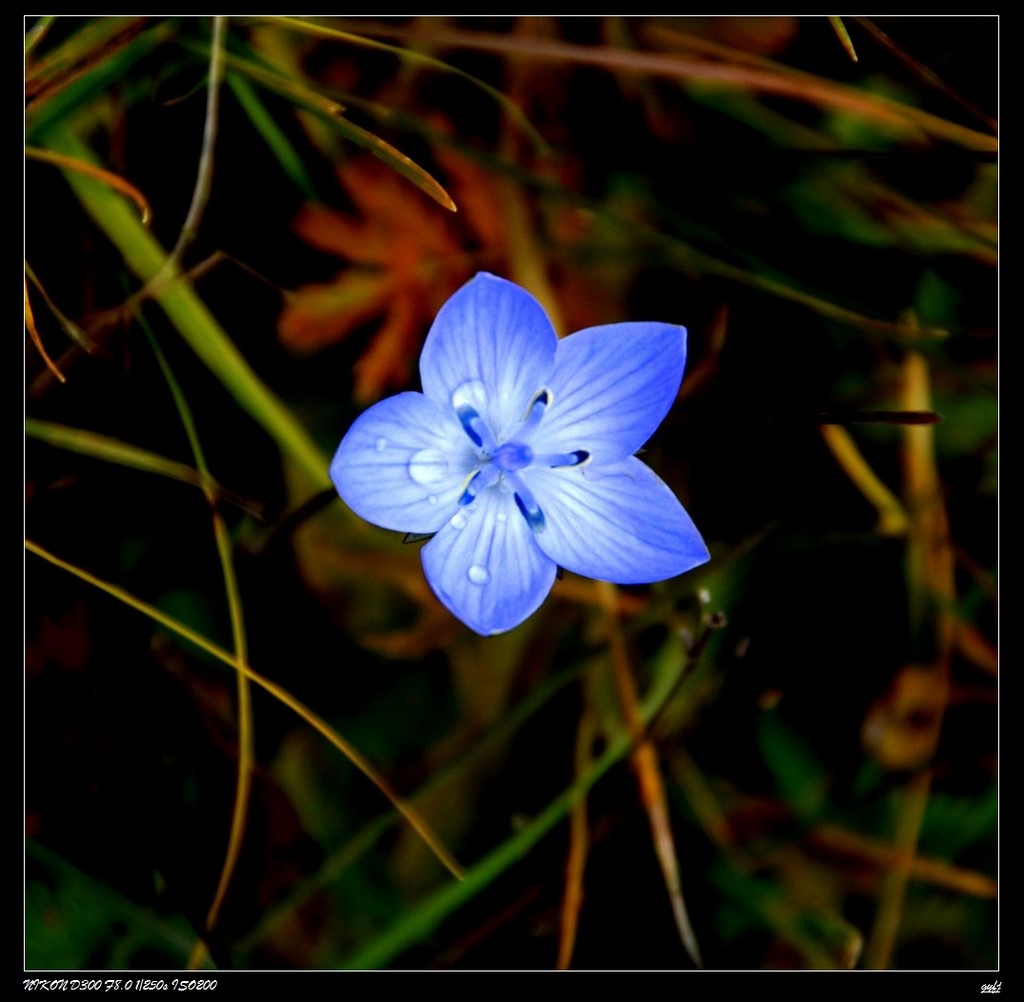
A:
x: 386, y: 364
x: 318, y: 315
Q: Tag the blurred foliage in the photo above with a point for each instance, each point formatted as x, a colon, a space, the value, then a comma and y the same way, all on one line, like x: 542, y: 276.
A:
x: 787, y: 758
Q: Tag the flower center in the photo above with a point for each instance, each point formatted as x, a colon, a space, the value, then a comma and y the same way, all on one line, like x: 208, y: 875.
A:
x: 500, y: 463
x: 512, y: 456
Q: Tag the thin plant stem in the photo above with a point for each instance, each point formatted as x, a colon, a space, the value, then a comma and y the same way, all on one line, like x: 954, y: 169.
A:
x: 881, y: 943
x: 644, y: 760
x: 844, y: 36
x: 33, y: 333
x: 246, y: 739
x: 579, y: 842
x: 417, y: 922
x: 412, y: 56
x: 204, y: 176
x: 343, y: 857
x: 892, y: 517
x: 70, y: 327
x: 923, y: 72
x: 278, y: 692
x: 107, y: 177
x: 113, y: 450
x: 190, y: 315
x: 803, y: 87
x: 36, y: 33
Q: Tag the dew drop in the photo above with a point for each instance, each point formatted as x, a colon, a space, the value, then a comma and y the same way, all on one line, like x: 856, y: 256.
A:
x: 479, y: 575
x: 382, y: 444
x: 432, y: 499
x: 428, y: 466
x: 501, y: 517
x: 458, y: 520
x: 472, y: 393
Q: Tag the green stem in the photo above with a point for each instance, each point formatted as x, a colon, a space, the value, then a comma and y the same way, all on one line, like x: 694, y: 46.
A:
x: 145, y: 257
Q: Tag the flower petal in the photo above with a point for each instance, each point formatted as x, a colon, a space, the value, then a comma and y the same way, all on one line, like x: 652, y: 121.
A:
x: 402, y: 464
x: 485, y: 566
x: 611, y: 387
x: 491, y: 346
x: 618, y: 523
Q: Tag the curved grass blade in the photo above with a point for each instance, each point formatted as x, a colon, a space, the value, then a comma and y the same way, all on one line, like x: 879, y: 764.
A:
x: 309, y: 99
x: 278, y: 692
x: 892, y: 516
x: 113, y: 450
x: 37, y: 32
x: 170, y: 933
x: 844, y: 36
x: 675, y: 248
x: 647, y: 770
x: 801, y: 86
x: 33, y: 333
x: 97, y: 173
x: 422, y: 59
x: 396, y: 160
x: 579, y: 844
x: 924, y: 73
x: 882, y: 939
x: 204, y: 173
x: 345, y: 856
x: 85, y: 48
x: 419, y: 922
x: 66, y: 80
x: 886, y: 857
x: 278, y: 143
x: 190, y: 315
x: 72, y: 329
x: 246, y: 738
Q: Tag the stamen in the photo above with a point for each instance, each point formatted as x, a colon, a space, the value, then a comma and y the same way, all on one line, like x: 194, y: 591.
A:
x: 527, y: 503
x: 577, y: 458
x: 477, y: 482
x: 512, y: 456
x: 540, y: 403
x: 476, y: 428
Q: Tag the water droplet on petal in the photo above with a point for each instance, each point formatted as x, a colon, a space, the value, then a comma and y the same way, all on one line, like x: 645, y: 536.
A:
x: 501, y: 517
x: 428, y: 466
x: 472, y: 393
x: 432, y: 499
x: 458, y: 520
x: 382, y: 444
x: 479, y: 575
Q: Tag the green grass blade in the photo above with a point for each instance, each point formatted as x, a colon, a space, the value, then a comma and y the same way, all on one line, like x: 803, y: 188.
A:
x: 37, y: 32
x: 326, y: 108
x: 56, y: 100
x: 342, y: 858
x: 70, y: 915
x: 884, y: 113
x: 673, y: 248
x: 421, y: 921
x: 113, y: 450
x: 278, y: 143
x: 278, y: 692
x: 190, y: 316
x: 246, y: 734
x: 421, y: 59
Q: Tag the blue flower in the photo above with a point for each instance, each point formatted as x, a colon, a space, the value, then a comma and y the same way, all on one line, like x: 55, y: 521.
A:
x: 518, y: 455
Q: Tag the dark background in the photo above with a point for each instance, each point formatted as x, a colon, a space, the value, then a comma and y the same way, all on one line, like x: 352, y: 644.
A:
x: 829, y: 763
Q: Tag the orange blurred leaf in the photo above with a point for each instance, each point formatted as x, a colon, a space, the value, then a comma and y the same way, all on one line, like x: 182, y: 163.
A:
x: 409, y: 258
x: 319, y: 315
